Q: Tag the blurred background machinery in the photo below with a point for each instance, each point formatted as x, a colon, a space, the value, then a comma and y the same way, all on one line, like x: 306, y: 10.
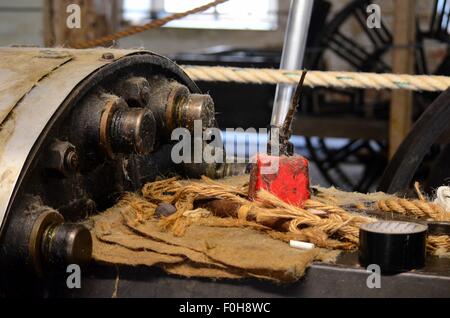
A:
x: 346, y: 130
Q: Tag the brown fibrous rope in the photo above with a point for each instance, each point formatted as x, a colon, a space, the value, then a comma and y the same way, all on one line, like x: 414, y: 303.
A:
x: 415, y: 208
x: 141, y: 28
x: 337, y: 228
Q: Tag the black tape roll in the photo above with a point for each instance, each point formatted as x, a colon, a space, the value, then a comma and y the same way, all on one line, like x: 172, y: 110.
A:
x: 438, y: 228
x: 393, y: 245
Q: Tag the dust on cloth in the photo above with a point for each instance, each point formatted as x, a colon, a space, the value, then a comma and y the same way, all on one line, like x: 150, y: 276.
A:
x: 203, y: 251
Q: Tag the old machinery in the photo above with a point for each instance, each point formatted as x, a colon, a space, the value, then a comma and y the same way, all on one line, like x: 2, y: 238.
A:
x: 78, y: 128
x: 344, y: 110
x: 430, y: 129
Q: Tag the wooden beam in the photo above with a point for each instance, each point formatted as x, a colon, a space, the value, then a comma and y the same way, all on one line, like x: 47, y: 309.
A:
x: 403, y: 62
x: 98, y: 18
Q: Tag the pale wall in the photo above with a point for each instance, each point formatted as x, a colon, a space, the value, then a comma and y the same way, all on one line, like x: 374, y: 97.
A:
x: 25, y: 28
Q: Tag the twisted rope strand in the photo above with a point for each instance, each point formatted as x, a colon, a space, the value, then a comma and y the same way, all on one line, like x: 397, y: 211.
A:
x: 141, y: 28
x: 430, y: 83
x: 337, y: 228
x: 417, y: 208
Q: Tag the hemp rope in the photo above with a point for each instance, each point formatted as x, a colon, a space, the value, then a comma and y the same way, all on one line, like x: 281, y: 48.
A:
x: 183, y: 196
x: 336, y: 229
x: 141, y: 28
x: 416, y: 208
x: 430, y: 83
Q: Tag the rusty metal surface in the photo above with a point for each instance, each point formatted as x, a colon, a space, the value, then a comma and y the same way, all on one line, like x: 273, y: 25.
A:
x: 38, y: 96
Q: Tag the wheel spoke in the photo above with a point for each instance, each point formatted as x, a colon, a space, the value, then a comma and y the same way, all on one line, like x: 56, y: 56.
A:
x: 380, y: 37
x: 348, y: 50
x: 369, y: 58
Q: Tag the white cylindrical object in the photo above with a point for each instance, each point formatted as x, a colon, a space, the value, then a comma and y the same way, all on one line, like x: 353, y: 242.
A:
x: 292, y: 58
x: 301, y: 245
x: 443, y: 198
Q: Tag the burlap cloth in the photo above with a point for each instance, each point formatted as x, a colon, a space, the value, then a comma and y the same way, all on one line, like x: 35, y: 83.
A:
x: 203, y: 251
x: 200, y: 241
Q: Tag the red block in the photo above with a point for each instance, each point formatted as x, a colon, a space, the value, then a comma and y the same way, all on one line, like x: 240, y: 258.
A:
x: 285, y: 177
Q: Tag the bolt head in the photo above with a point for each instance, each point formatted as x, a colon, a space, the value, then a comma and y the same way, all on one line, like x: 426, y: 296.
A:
x: 71, y: 160
x: 62, y: 158
x: 108, y: 56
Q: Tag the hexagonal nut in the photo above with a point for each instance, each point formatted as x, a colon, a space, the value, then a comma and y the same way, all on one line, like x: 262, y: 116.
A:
x: 135, y: 90
x: 62, y: 158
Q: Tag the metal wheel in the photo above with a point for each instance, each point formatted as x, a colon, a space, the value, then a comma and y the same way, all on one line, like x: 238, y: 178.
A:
x: 333, y: 159
x: 429, y: 128
x: 337, y: 163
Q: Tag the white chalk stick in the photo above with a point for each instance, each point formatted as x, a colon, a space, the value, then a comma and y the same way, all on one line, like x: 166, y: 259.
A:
x: 301, y: 245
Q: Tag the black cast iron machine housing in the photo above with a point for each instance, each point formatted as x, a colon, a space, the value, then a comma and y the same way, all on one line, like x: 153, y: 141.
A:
x: 78, y: 128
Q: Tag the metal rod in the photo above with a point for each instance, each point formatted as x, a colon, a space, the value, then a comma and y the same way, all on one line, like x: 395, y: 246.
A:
x: 293, y: 52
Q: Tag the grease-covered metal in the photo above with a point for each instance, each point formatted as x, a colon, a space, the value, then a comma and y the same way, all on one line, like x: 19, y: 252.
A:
x: 79, y: 128
x: 34, y: 84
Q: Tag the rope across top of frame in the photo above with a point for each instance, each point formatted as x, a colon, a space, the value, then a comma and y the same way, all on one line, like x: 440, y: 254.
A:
x: 274, y: 76
x: 430, y: 83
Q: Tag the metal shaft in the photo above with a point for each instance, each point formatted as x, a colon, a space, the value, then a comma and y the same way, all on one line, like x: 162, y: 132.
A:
x: 293, y: 52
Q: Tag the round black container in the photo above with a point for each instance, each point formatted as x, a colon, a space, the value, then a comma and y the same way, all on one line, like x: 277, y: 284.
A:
x: 394, y: 246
